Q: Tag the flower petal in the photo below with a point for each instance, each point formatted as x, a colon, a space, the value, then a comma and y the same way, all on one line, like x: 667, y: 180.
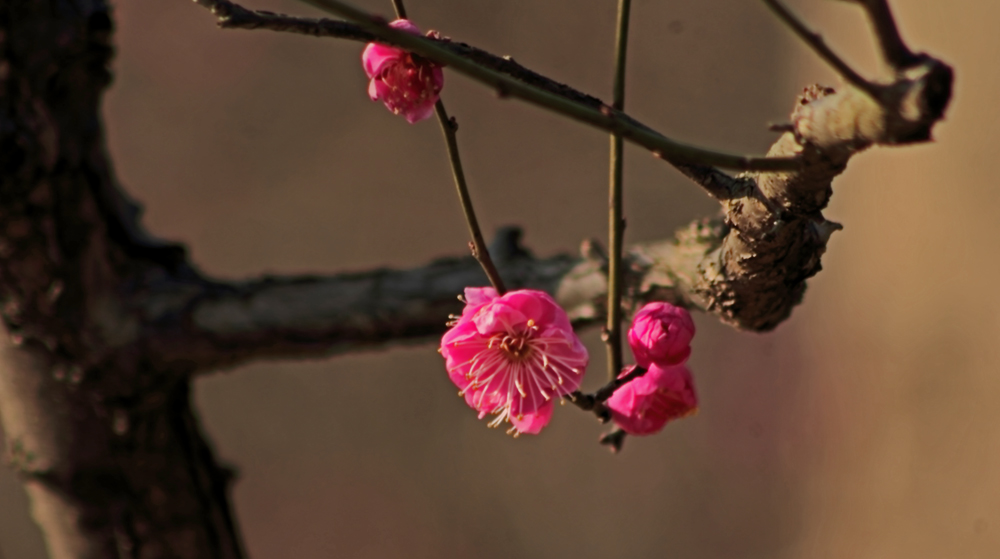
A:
x: 376, y: 58
x: 421, y: 112
x: 532, y: 423
x: 376, y: 89
x: 646, y: 404
x: 499, y: 317
x: 405, y: 25
x: 477, y: 296
x: 513, y: 355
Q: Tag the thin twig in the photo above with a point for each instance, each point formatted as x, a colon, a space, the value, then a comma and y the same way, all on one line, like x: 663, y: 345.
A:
x: 400, y: 9
x: 478, y: 245
x: 233, y: 16
x: 606, y: 118
x: 719, y: 185
x: 448, y: 127
x: 894, y: 50
x: 616, y: 220
x: 595, y: 402
x: 815, y: 41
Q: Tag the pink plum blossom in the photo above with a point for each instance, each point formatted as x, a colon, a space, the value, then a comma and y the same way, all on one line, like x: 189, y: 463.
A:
x: 532, y: 423
x: 407, y: 84
x: 645, y: 404
x: 512, y: 355
x: 661, y: 333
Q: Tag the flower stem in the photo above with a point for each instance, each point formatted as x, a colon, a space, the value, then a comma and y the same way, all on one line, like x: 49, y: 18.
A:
x: 616, y: 220
x: 595, y: 402
x: 478, y: 245
x: 604, y: 118
x: 448, y: 128
x: 400, y: 9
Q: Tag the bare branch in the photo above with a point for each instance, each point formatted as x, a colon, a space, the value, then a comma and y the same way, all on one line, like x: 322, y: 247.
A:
x: 815, y: 41
x: 532, y: 88
x: 477, y: 245
x: 616, y: 202
x: 595, y: 402
x: 748, y: 267
x: 215, y: 324
x: 894, y: 50
x: 234, y: 16
x: 449, y: 127
x: 208, y: 325
x: 719, y: 185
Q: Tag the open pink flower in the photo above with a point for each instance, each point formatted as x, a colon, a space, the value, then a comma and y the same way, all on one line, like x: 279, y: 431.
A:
x: 511, y: 356
x: 407, y: 84
x: 661, y: 333
x: 645, y: 404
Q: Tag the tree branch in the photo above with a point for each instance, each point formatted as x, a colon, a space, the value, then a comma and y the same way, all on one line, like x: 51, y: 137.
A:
x: 719, y: 185
x: 534, y: 88
x: 894, y: 50
x: 815, y: 41
x: 748, y: 267
x: 616, y: 203
x: 478, y: 246
x: 234, y: 16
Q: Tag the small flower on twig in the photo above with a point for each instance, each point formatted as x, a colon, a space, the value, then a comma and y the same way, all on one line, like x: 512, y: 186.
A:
x: 644, y: 405
x: 408, y: 84
x: 513, y: 355
x: 661, y: 333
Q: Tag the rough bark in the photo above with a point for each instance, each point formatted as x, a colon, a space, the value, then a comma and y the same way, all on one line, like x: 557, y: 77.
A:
x: 104, y: 438
x: 105, y: 327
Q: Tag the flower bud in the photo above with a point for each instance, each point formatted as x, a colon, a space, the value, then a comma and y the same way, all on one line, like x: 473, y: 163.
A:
x: 661, y: 334
x: 644, y: 405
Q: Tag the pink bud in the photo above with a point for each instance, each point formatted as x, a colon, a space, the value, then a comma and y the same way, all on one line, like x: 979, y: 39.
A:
x: 513, y: 355
x: 661, y: 333
x: 645, y: 404
x: 407, y: 84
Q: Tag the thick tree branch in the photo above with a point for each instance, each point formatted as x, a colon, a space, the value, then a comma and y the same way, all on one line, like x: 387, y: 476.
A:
x: 214, y: 324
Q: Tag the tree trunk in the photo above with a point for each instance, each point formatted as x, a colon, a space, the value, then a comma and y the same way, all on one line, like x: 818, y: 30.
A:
x: 111, y: 454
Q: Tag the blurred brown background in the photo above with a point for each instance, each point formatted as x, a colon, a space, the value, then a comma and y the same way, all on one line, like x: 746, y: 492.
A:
x: 867, y: 426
